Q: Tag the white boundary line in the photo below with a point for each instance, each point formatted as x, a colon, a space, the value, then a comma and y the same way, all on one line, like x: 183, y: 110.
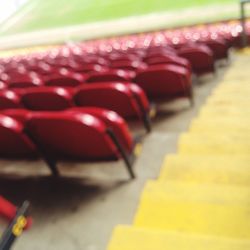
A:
x: 116, y: 27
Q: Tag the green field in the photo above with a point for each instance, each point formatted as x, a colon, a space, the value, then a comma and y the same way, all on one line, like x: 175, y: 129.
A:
x: 45, y: 14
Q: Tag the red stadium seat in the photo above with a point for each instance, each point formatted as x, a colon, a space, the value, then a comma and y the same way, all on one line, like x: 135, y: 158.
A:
x: 219, y: 48
x: 155, y: 52
x: 112, y: 120
x: 24, y: 81
x: 42, y: 69
x: 87, y: 68
x: 14, y: 142
x: 200, y: 57
x: 21, y: 115
x: 47, y: 98
x: 128, y: 65
x: 170, y: 59
x: 127, y: 100
x: 75, y: 136
x: 111, y: 75
x: 9, y: 100
x: 122, y: 57
x: 165, y: 82
x: 2, y: 85
x: 65, y: 78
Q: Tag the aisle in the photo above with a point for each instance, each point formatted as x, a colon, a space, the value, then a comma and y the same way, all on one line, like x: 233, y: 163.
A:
x: 201, y: 200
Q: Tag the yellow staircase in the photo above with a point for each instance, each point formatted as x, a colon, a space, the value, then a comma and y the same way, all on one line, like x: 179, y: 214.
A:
x: 201, y: 200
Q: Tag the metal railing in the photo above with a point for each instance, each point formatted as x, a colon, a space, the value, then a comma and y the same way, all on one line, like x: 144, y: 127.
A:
x: 243, y: 22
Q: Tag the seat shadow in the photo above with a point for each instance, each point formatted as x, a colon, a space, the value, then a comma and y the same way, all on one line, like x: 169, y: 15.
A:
x: 50, y: 195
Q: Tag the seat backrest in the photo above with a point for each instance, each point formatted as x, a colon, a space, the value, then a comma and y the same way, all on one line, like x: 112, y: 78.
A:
x: 21, y: 115
x: 62, y: 81
x: 175, y: 60
x: 162, y: 81
x: 77, y: 136
x: 139, y: 95
x: 112, y: 120
x: 128, y: 65
x: 9, y: 100
x: 113, y: 96
x: 47, y: 98
x: 2, y: 85
x: 200, y: 58
x: 14, y: 142
x: 110, y: 75
x: 90, y: 67
x: 24, y: 82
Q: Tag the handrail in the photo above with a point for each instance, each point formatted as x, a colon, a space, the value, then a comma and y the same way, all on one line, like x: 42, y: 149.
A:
x: 243, y: 22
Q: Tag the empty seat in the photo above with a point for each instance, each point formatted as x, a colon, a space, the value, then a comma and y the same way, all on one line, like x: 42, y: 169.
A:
x: 159, y: 50
x: 90, y: 67
x: 127, y: 100
x: 111, y: 75
x: 47, y: 98
x: 75, y: 136
x: 165, y: 82
x: 14, y: 142
x: 9, y: 100
x: 21, y: 115
x: 24, y: 81
x: 128, y: 65
x: 200, y: 57
x: 112, y: 121
x: 170, y: 59
x: 2, y: 85
x: 64, y: 78
x: 219, y: 48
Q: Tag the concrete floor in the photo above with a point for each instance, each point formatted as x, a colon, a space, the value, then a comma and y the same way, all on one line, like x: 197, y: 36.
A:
x: 80, y: 210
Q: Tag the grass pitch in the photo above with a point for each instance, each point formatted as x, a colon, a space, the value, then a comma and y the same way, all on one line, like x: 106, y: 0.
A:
x: 46, y: 14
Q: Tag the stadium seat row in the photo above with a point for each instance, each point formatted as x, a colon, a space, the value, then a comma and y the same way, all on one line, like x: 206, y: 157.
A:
x: 227, y: 31
x: 158, y: 81
x: 66, y: 135
x: 83, y: 67
x: 127, y: 99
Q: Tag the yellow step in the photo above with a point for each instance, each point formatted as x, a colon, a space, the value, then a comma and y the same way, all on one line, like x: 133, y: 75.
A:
x: 131, y: 238
x: 210, y: 169
x: 238, y: 76
x: 230, y: 90
x: 219, y: 210
x: 209, y: 137
x: 216, y: 111
x: 207, y: 144
x: 232, y: 87
x: 223, y: 101
x: 236, y: 98
x: 222, y: 125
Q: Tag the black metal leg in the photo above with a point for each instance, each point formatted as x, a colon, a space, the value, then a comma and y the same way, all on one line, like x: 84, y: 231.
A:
x: 52, y: 164
x: 145, y: 116
x: 49, y: 160
x: 147, y: 122
x: 123, y: 152
x: 191, y: 95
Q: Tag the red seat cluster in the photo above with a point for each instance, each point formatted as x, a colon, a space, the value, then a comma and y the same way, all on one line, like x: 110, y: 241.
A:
x: 71, y: 101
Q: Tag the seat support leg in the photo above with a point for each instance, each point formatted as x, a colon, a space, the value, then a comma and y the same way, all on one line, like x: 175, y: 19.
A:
x: 145, y: 116
x: 123, y: 152
x: 49, y: 160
